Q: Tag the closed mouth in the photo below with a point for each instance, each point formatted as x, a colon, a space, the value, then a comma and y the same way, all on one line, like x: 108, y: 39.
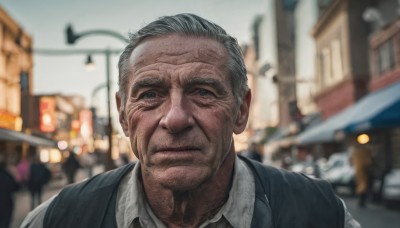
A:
x: 177, y: 149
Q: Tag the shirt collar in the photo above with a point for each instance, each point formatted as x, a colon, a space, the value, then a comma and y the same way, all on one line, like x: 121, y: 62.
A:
x: 238, y: 210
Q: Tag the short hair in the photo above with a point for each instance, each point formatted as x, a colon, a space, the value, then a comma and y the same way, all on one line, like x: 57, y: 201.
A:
x: 188, y: 25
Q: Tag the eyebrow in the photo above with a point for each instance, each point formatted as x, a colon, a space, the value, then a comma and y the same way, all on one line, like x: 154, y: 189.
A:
x: 147, y: 82
x: 214, y: 83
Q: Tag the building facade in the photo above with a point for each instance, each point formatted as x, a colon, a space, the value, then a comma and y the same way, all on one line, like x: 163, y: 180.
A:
x: 342, y: 72
x: 15, y: 88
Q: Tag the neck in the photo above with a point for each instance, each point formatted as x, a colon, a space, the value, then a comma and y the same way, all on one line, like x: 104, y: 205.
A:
x: 191, y: 208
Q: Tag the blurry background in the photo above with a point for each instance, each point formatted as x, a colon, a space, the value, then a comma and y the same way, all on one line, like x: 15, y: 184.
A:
x: 323, y: 73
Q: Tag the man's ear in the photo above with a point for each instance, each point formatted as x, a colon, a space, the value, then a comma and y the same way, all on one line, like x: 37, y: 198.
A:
x: 243, y: 114
x: 121, y: 111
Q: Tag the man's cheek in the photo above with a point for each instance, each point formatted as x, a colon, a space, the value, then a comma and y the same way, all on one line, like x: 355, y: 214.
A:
x: 134, y: 145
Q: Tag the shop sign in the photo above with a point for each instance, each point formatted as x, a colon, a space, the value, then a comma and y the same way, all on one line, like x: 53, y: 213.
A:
x: 86, y: 127
x: 47, y: 109
x: 10, y: 121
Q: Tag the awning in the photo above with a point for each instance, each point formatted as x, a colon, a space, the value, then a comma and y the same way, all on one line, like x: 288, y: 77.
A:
x: 379, y: 109
x: 10, y: 135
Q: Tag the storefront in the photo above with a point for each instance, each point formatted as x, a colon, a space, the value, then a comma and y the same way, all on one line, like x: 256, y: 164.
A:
x: 377, y: 115
x: 14, y: 144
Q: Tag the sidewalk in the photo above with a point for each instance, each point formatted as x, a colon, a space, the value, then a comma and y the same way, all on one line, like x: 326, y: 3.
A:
x: 23, y: 201
x: 373, y: 215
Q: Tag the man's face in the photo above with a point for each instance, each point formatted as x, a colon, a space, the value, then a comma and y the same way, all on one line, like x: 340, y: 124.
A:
x: 180, y: 111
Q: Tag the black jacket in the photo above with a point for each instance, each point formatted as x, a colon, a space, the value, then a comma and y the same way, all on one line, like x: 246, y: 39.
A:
x: 283, y: 199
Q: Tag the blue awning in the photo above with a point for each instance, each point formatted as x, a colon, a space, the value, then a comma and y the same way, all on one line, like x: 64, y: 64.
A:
x: 379, y: 109
x: 10, y: 135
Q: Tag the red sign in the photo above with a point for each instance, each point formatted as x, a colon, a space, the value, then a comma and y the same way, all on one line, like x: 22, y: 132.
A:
x: 47, y: 108
x: 85, y: 118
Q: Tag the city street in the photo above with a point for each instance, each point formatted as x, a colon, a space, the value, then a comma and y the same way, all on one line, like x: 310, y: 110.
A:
x: 373, y: 216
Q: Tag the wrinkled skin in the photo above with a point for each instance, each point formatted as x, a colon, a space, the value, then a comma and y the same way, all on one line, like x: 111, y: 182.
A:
x: 180, y: 114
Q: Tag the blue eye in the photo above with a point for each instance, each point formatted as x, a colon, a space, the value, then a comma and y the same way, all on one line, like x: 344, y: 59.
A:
x: 148, y: 95
x: 204, y: 92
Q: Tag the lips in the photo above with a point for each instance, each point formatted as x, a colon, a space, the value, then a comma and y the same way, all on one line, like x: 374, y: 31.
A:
x: 176, y: 149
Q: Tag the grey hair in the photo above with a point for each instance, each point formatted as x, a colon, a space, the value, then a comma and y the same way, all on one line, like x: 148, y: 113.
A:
x: 188, y: 25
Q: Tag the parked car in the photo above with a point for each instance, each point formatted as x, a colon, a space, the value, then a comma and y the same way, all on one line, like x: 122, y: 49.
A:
x: 309, y: 168
x: 339, y: 172
x: 304, y: 167
x: 391, y: 188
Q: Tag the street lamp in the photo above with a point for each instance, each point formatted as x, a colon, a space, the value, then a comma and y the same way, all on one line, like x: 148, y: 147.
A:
x: 72, y: 37
x: 89, y: 64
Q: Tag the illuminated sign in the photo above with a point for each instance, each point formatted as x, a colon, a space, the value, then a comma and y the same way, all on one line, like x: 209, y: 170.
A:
x: 85, y: 118
x: 47, y: 109
x: 10, y: 121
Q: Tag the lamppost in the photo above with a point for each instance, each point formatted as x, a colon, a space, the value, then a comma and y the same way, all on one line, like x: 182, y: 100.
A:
x: 72, y: 37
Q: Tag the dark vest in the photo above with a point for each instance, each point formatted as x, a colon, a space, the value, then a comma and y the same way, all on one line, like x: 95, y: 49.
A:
x: 283, y: 199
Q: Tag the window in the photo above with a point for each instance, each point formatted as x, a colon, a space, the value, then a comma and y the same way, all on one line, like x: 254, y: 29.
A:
x: 386, y: 58
x: 337, y: 67
x: 325, y: 66
x: 331, y: 65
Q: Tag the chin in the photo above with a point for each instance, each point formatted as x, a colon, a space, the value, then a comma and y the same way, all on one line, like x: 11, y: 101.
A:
x: 183, y: 179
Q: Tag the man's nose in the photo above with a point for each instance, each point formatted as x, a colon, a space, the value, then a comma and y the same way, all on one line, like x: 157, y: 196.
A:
x: 177, y: 117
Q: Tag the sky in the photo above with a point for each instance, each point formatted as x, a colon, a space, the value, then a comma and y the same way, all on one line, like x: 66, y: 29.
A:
x: 46, y: 20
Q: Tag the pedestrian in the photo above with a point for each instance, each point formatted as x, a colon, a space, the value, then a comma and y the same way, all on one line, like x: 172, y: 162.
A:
x: 88, y: 161
x: 253, y: 152
x: 71, y: 167
x: 8, y: 186
x: 39, y: 175
x: 361, y: 159
x: 182, y: 94
x: 23, y: 171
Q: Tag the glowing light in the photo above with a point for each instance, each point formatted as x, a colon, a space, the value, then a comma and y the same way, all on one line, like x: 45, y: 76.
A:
x: 363, y: 139
x: 62, y: 145
x: 46, y: 119
x: 44, y: 156
x: 55, y: 156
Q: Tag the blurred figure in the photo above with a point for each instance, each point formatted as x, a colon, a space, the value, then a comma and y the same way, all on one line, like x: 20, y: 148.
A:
x: 8, y: 185
x: 70, y: 167
x: 39, y: 175
x: 125, y: 159
x: 88, y: 162
x: 122, y: 160
x: 253, y: 153
x: 287, y: 161
x: 23, y: 171
x: 361, y: 158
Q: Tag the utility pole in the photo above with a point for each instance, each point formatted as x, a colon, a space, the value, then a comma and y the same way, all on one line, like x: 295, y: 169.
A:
x: 107, y: 53
x: 285, y: 33
x: 72, y: 37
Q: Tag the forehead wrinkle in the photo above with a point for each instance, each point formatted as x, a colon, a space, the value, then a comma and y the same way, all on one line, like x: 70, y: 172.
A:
x: 178, y: 57
x: 209, y: 54
x: 148, y: 69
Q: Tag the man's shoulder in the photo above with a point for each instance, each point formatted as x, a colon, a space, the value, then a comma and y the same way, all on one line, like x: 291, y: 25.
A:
x: 85, y: 200
x: 281, y: 178
x: 295, y: 195
x: 95, y: 183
